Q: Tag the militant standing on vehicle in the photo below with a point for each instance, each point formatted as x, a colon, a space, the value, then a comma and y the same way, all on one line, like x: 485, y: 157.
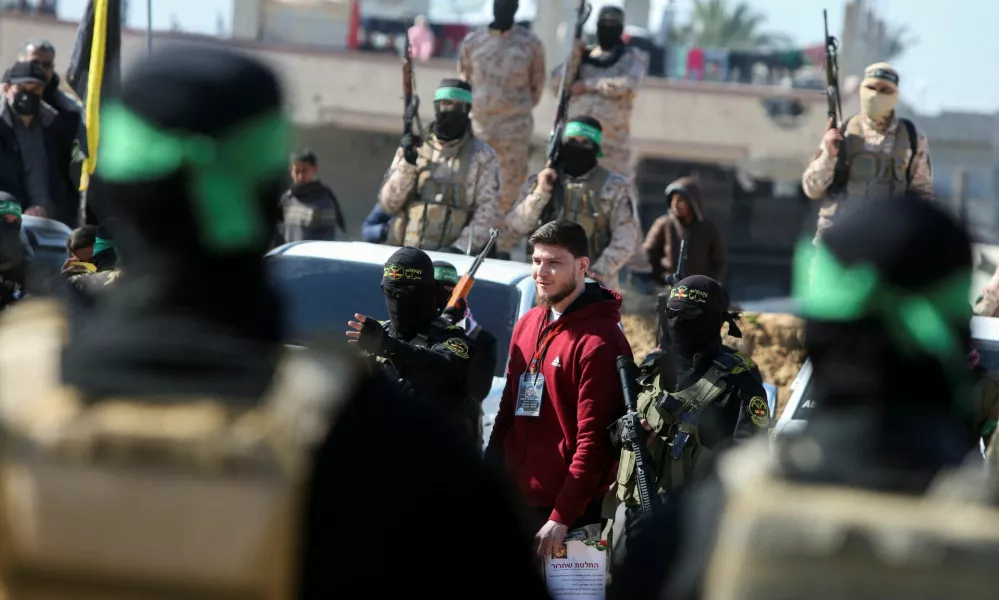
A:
x: 505, y: 64
x: 445, y: 189
x: 598, y: 199
x: 871, y: 155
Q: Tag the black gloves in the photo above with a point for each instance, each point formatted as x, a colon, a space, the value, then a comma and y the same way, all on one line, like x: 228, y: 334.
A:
x: 615, y: 432
x: 373, y: 337
x: 410, y: 145
x: 455, y: 314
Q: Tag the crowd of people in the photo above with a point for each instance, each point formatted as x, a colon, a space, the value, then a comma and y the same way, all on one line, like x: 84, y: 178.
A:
x: 160, y: 440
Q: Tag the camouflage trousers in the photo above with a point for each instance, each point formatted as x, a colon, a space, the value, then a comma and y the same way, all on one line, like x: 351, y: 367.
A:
x: 513, y: 149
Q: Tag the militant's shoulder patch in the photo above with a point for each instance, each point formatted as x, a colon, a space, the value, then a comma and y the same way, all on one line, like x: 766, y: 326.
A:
x: 759, y: 411
x: 457, y: 346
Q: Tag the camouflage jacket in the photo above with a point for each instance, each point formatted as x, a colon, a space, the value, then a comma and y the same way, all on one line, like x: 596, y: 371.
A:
x: 819, y: 175
x: 482, y: 188
x: 610, y: 93
x: 507, y: 73
x: 615, y: 201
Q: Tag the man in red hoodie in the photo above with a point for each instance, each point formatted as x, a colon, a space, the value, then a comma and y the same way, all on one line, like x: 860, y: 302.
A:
x: 562, y: 389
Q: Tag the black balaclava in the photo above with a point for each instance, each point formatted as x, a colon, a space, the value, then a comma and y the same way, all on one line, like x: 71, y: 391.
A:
x: 696, y: 309
x: 578, y: 159
x: 105, y: 251
x: 196, y: 299
x: 610, y: 27
x: 410, y: 291
x: 452, y: 124
x: 888, y: 414
x: 503, y: 14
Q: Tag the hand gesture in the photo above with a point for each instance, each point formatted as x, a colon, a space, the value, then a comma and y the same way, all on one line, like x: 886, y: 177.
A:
x: 368, y: 334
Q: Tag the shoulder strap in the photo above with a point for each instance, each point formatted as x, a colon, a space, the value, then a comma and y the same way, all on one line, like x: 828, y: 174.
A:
x: 910, y: 128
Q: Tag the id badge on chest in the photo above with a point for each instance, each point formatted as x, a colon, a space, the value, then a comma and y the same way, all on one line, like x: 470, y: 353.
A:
x: 532, y: 385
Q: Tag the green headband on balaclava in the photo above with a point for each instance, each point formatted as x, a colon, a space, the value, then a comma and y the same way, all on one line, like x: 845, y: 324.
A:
x: 224, y: 172
x: 10, y: 208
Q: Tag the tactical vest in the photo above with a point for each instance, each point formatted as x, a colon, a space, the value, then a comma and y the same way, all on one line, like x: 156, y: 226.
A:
x: 674, y: 417
x: 582, y: 204
x: 440, y: 207
x: 781, y: 539
x: 124, y: 498
x: 861, y: 173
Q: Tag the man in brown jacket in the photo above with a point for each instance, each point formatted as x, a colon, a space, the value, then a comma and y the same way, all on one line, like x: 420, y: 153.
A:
x: 685, y: 220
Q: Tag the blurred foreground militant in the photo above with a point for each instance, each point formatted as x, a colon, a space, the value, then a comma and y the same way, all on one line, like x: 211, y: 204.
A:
x: 872, y: 499
x: 171, y: 447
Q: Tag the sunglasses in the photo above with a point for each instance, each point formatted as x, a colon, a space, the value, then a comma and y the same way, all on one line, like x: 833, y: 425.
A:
x: 687, y: 314
x: 397, y: 293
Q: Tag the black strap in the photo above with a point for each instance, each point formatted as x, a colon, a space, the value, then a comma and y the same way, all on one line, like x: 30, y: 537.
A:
x: 910, y: 128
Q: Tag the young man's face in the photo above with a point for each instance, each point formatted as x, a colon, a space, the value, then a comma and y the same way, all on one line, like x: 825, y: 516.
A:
x: 556, y: 272
x: 303, y: 172
x: 679, y: 205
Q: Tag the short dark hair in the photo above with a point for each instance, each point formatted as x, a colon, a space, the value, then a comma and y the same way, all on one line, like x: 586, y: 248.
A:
x: 81, y: 237
x: 564, y: 234
x: 306, y: 156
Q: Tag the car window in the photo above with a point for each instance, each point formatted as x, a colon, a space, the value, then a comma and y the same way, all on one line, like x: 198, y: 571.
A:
x: 988, y: 351
x: 321, y: 295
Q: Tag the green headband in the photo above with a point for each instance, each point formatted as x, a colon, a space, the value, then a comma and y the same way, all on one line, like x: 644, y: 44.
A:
x: 446, y: 275
x: 453, y: 93
x: 922, y: 321
x: 224, y: 172
x: 577, y: 129
x: 10, y: 208
x: 101, y: 244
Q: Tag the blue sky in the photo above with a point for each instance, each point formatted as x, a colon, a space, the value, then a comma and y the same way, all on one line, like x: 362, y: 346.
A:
x: 936, y: 73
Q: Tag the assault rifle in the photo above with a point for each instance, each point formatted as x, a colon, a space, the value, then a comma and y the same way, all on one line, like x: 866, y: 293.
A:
x: 832, y: 77
x: 569, y: 75
x: 410, y: 101
x: 634, y: 438
x: 681, y: 265
x: 460, y: 292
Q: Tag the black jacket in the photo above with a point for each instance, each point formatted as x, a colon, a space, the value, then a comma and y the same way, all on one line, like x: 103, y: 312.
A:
x: 60, y: 139
x: 480, y: 379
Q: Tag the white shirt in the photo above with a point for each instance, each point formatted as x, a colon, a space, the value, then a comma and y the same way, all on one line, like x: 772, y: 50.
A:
x: 555, y: 315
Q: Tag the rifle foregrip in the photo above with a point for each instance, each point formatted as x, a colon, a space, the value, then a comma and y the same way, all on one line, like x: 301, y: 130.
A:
x: 460, y: 291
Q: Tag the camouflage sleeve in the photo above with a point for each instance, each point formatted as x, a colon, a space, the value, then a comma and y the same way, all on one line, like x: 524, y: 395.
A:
x: 988, y: 306
x: 626, y: 233
x: 397, y: 185
x: 623, y: 85
x: 538, y: 73
x: 922, y: 168
x: 818, y: 176
x: 465, y: 62
x: 523, y: 216
x: 484, y: 190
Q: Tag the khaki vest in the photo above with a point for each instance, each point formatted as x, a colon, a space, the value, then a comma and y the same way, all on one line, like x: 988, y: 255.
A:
x: 168, y: 498
x: 780, y: 539
x: 870, y: 174
x: 582, y: 204
x: 440, y: 208
x: 674, y: 417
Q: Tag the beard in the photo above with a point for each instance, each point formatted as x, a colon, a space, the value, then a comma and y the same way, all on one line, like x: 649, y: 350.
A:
x: 554, y: 298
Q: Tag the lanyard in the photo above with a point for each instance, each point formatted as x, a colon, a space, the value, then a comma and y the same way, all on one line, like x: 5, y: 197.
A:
x: 541, y: 346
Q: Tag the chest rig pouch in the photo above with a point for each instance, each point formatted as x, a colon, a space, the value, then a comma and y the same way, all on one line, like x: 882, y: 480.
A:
x: 862, y: 173
x: 123, y: 498
x: 582, y: 203
x: 674, y: 418
x: 788, y: 539
x: 441, y: 207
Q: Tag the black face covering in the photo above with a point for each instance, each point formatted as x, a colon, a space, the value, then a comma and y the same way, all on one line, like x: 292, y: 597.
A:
x: 26, y: 104
x: 503, y: 14
x: 578, y: 159
x: 694, y: 315
x: 609, y: 35
x: 450, y: 124
x: 410, y: 291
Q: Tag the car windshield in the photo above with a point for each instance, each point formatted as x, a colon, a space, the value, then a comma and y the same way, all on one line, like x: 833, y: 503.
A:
x: 321, y: 295
x: 988, y: 351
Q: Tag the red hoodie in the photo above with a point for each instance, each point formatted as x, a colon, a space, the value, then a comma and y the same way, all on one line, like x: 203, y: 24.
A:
x: 561, y: 458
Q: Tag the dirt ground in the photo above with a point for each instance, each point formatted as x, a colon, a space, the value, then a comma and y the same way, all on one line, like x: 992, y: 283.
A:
x: 776, y: 343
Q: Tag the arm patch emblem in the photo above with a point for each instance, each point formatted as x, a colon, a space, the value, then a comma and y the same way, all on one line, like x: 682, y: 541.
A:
x: 457, y: 346
x: 759, y: 412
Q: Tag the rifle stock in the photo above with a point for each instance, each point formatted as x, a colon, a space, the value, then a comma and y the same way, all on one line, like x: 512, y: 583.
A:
x: 464, y: 286
x: 645, y: 479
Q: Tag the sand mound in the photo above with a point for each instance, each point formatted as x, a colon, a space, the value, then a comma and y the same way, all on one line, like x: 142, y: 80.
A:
x: 776, y: 343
